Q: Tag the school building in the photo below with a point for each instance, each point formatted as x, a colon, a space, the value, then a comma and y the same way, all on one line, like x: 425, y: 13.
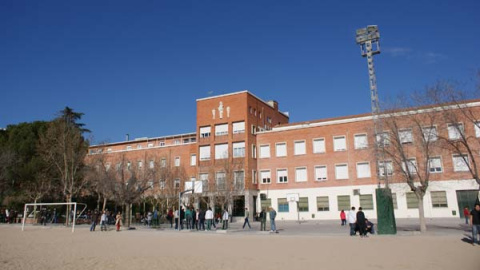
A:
x: 244, y: 148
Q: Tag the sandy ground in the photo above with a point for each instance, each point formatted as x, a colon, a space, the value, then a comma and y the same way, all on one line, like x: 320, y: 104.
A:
x: 58, y: 248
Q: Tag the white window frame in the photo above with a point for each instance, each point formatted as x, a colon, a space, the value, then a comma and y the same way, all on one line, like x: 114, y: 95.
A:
x: 428, y: 135
x: 338, y: 148
x: 357, y: 143
x: 476, y: 127
x: 411, y: 162
x: 316, y: 151
x: 296, y: 174
x: 163, y: 163
x: 386, y: 138
x: 454, y: 162
x: 405, y: 135
x: 317, y: 178
x: 269, y: 181
x: 151, y: 164
x: 336, y: 171
x: 220, y: 130
x: 435, y: 168
x: 238, y: 127
x: 193, y: 159
x: 277, y: 154
x: 237, y: 149
x: 388, y: 169
x: 302, y: 150
x: 284, y: 178
x: 264, y: 154
x: 204, y: 154
x: 453, y: 133
x: 221, y: 153
x: 254, y: 151
x: 369, y: 172
x: 177, y: 161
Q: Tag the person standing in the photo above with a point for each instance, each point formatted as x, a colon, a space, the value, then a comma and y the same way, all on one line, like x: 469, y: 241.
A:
x: 225, y: 219
x: 103, y: 221
x: 170, y: 217
x: 246, y: 222
x: 263, y: 220
x: 362, y: 227
x: 209, y: 218
x: 475, y: 222
x: 201, y: 220
x: 466, y: 214
x: 118, y: 221
x: 188, y: 216
x: 176, y: 216
x: 273, y: 215
x: 94, y: 221
x: 352, y: 219
x: 343, y: 218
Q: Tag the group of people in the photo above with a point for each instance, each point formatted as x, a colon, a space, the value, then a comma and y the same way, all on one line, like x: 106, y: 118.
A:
x: 103, y: 220
x: 358, y: 222
x: 8, y: 215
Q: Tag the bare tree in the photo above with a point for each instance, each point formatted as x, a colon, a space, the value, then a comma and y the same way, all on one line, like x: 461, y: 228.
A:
x: 411, y: 144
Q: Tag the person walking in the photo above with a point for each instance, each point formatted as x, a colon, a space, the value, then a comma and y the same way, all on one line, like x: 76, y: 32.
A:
x: 201, y: 220
x: 176, y: 216
x: 466, y: 214
x: 103, y: 221
x: 209, y: 218
x: 118, y: 221
x: 362, y: 227
x: 352, y: 219
x: 225, y: 219
x: 263, y: 220
x: 475, y: 223
x: 246, y: 222
x: 94, y: 221
x: 273, y: 215
x: 170, y: 217
x: 343, y: 218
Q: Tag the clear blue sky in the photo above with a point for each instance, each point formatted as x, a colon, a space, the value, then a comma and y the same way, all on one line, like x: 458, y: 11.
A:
x: 137, y: 67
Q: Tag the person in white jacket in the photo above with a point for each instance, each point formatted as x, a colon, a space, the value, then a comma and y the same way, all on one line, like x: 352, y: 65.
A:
x: 225, y: 219
x: 352, y: 219
x: 209, y: 218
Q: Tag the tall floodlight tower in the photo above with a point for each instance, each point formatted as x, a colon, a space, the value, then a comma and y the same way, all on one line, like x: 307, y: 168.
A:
x: 369, y: 40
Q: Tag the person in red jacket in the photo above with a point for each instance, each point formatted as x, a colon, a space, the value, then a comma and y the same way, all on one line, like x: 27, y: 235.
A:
x: 343, y: 218
x: 466, y: 214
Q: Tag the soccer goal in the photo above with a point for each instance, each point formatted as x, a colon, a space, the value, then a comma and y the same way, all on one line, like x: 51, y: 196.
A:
x: 34, y: 206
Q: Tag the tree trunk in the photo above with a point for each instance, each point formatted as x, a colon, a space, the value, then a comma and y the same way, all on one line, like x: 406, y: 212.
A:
x: 67, y: 214
x: 421, y: 215
x: 104, y: 203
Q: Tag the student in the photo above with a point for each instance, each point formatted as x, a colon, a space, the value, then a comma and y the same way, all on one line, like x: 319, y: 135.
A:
x: 246, y: 222
x: 370, y: 226
x: 466, y: 214
x: 118, y: 221
x: 343, y: 218
x: 273, y: 215
x: 263, y: 220
x: 225, y: 219
x: 362, y: 228
x: 475, y: 222
x: 352, y: 219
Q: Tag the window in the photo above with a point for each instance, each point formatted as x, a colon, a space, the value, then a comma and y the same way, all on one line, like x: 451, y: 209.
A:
x: 366, y: 201
x: 339, y: 143
x: 162, y: 184
x: 477, y: 129
x: 430, y: 134
x: 385, y: 166
x: 220, y: 180
x: 322, y: 204
x: 435, y: 165
x: 343, y: 202
x: 439, y: 199
x: 239, y: 180
x: 107, y: 166
x: 283, y: 205
x: 150, y: 145
x: 221, y: 151
x: 177, y: 141
x: 193, y: 160
x: 221, y: 130
x: 363, y: 170
x: 139, y: 146
x: 205, y: 152
x: 265, y: 204
x: 151, y: 164
x: 383, y: 139
x: 303, y: 204
x: 455, y: 131
x: 140, y: 164
x: 460, y: 163
x: 301, y: 174
x: 411, y: 165
x: 281, y: 149
x: 161, y: 143
x: 405, y: 136
x: 129, y: 147
x: 129, y: 165
x: 412, y: 201
x: 265, y: 175
x: 254, y: 176
x: 264, y: 151
x: 163, y: 163
x: 341, y: 171
x: 299, y: 148
x: 238, y: 127
x: 361, y: 141
x: 253, y: 130
x: 254, y: 151
x: 150, y: 184
x: 394, y: 199
x: 320, y: 173
x: 177, y: 161
x: 319, y: 145
x: 239, y: 149
x: 204, y: 178
x: 205, y: 132
x: 282, y: 176
x: 176, y: 184
x: 109, y: 150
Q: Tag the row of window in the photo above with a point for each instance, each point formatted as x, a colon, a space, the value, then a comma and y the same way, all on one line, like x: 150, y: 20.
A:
x: 221, y: 151
x: 162, y: 143
x: 438, y: 200
x: 222, y: 129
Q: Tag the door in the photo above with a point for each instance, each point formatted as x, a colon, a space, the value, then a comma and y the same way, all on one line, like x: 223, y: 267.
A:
x: 466, y: 198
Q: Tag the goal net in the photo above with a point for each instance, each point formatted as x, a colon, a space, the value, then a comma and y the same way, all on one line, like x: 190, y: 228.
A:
x: 53, y: 212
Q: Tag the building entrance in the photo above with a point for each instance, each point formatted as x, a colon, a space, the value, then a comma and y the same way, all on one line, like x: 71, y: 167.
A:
x: 466, y: 198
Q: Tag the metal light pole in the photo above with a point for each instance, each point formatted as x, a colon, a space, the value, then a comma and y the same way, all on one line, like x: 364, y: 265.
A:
x: 369, y: 40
